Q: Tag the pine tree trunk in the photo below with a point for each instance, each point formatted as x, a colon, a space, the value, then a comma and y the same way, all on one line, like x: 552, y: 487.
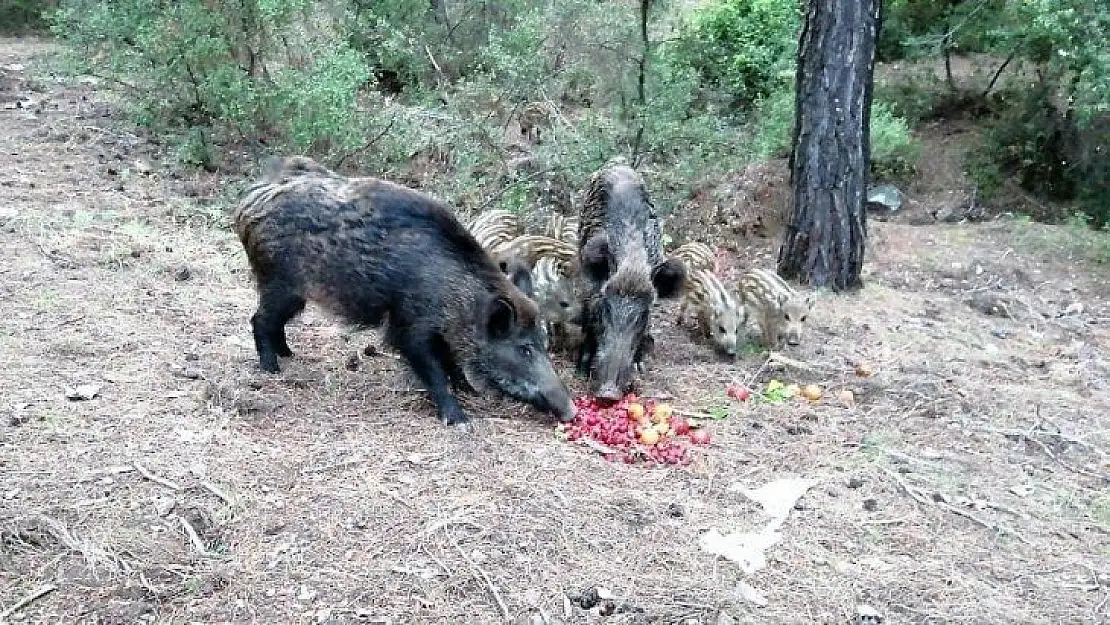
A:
x: 824, y: 243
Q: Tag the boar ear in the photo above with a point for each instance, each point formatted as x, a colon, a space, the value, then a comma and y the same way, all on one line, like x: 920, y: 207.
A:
x: 500, y: 318
x: 521, y: 277
x: 595, y: 258
x: 669, y: 277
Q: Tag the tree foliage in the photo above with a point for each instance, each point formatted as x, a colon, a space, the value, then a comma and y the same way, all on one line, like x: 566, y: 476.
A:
x: 383, y: 86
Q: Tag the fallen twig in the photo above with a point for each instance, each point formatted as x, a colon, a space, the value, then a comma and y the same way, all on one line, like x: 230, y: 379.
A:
x: 1028, y: 436
x: 758, y: 371
x: 212, y: 488
x: 790, y: 362
x: 482, y: 573
x: 921, y: 498
x: 885, y: 521
x: 145, y: 472
x: 596, y: 446
x: 41, y: 592
x: 343, y: 464
x: 194, y: 538
x: 696, y: 415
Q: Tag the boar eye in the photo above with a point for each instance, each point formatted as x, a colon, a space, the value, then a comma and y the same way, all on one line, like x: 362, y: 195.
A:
x: 803, y: 319
x: 721, y: 329
x: 564, y: 304
x: 526, y: 351
x: 787, y: 315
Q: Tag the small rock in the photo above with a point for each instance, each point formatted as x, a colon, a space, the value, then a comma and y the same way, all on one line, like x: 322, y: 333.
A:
x: 306, y: 594
x: 1075, y: 308
x: 675, y: 511
x: 847, y: 398
x: 1001, y: 333
x: 749, y: 594
x: 871, y: 505
x: 370, y: 350
x: 855, y: 482
x: 352, y: 362
x: 82, y: 392
x: 587, y: 599
x: 143, y: 167
x: 797, y: 430
x: 164, y: 505
x: 182, y: 273
x: 529, y: 619
x: 190, y: 373
x: 867, y: 615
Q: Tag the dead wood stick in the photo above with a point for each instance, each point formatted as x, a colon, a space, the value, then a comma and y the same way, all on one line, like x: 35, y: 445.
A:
x: 39, y: 593
x: 758, y: 371
x: 194, y: 538
x: 790, y: 362
x: 696, y: 415
x: 917, y: 495
x: 1028, y: 436
x: 212, y: 488
x: 145, y: 472
x: 596, y: 446
x: 482, y: 573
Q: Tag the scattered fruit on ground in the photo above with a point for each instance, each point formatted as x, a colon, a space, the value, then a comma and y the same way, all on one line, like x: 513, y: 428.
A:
x: 737, y: 392
x: 811, y: 392
x: 680, y: 425
x: 700, y: 437
x: 623, y: 430
x: 791, y: 390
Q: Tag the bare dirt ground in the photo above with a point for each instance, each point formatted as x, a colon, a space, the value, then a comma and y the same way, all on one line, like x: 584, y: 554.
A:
x: 968, y: 483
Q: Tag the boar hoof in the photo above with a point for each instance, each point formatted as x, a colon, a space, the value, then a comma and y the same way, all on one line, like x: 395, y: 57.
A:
x: 453, y: 415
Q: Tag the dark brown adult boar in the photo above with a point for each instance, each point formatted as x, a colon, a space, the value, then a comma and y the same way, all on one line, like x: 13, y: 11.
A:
x: 374, y: 252
x: 623, y: 272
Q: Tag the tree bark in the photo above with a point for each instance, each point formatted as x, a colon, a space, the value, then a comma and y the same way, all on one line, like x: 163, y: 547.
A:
x: 824, y: 243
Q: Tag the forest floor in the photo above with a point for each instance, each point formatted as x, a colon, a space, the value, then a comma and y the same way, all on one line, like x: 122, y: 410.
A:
x: 150, y: 473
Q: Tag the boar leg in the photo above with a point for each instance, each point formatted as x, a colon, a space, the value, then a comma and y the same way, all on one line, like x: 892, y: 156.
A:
x: 587, y: 351
x: 420, y: 352
x: 447, y: 360
x: 277, y: 304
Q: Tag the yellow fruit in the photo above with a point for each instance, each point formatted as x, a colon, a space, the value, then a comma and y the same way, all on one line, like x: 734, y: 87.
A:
x: 649, y: 436
x: 791, y: 390
x: 663, y: 411
x: 811, y: 392
x: 636, y: 411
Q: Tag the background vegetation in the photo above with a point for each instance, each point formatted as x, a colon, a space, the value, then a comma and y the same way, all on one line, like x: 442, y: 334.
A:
x: 407, y: 88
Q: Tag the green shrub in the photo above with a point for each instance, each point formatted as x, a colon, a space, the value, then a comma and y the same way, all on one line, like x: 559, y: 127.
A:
x: 744, y: 48
x: 17, y: 16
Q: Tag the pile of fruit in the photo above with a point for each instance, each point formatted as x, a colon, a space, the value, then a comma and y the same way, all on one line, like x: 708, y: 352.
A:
x: 634, y: 431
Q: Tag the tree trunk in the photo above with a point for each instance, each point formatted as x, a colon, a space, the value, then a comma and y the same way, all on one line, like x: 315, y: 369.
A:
x: 824, y: 243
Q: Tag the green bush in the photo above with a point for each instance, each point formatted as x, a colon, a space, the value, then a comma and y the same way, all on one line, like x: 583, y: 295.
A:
x: 1051, y: 153
x: 17, y: 16
x: 745, y: 48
